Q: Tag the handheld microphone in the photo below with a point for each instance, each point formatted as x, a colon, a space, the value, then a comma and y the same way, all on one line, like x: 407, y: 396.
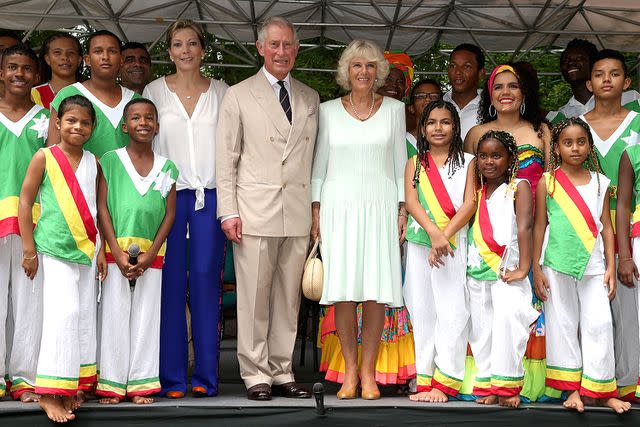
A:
x: 318, y: 393
x: 133, y: 251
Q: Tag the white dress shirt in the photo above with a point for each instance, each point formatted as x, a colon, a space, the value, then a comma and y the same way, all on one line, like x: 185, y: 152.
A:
x: 190, y: 142
x: 273, y: 81
x: 468, y: 114
x: 575, y: 108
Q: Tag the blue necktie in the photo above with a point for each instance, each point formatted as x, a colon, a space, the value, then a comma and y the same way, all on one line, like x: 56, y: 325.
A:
x: 284, y: 100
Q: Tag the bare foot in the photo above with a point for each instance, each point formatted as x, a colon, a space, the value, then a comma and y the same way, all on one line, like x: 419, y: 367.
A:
x: 434, y: 395
x: 616, y: 404
x: 509, y: 402
x: 29, y: 396
x: 142, y: 400
x: 83, y: 396
x: 487, y: 400
x: 54, y: 408
x: 109, y: 400
x: 574, y: 401
x: 71, y: 403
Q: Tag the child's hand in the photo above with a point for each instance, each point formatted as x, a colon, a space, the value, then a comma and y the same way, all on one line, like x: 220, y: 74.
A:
x: 514, y: 276
x: 611, y: 283
x: 627, y: 271
x: 540, y: 284
x: 434, y: 260
x: 402, y: 228
x: 122, y: 261
x: 101, y: 264
x: 440, y: 245
x: 30, y: 267
x: 144, y: 261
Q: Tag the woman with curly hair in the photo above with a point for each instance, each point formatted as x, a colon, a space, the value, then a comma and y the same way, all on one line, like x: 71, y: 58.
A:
x: 510, y: 102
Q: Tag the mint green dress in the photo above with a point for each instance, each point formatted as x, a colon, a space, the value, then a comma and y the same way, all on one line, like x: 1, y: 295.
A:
x: 358, y: 178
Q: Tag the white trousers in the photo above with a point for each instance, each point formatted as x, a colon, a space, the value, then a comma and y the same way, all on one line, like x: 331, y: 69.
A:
x: 437, y: 305
x: 501, y: 315
x: 67, y: 359
x: 19, y: 344
x: 626, y: 338
x: 579, y: 333
x: 636, y: 260
x: 130, y: 335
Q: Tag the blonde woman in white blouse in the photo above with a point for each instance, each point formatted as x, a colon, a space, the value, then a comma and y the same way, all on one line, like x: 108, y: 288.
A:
x: 188, y: 106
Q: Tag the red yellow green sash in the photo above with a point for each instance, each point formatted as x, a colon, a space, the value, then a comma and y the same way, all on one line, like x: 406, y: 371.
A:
x: 71, y: 201
x: 576, y: 210
x: 436, y: 196
x: 572, y: 228
x: 490, y: 251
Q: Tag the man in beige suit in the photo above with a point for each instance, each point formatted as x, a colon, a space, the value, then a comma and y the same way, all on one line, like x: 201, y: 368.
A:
x: 265, y: 138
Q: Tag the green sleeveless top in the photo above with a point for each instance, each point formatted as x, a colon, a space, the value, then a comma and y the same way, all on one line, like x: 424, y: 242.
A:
x: 19, y: 141
x: 137, y: 205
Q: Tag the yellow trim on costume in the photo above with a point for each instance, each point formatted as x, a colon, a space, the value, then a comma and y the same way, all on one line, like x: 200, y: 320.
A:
x: 88, y: 371
x: 612, y: 212
x: 499, y: 382
x: 110, y: 388
x: 423, y: 380
x: 564, y: 375
x: 144, y: 244
x: 143, y: 387
x: 64, y: 384
x: 604, y: 386
x: 9, y: 208
x: 626, y: 390
x: 446, y: 380
x: 35, y: 97
x: 636, y: 214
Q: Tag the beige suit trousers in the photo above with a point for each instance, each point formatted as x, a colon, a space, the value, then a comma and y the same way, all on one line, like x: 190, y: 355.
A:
x: 268, y: 275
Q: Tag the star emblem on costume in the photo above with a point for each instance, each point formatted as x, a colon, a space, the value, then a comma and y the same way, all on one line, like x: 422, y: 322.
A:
x: 415, y: 226
x: 41, y: 125
x: 473, y: 257
x: 163, y: 183
x: 632, y: 139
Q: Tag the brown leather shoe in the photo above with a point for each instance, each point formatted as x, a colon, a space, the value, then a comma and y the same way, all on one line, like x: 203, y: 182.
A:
x: 291, y: 390
x: 259, y: 392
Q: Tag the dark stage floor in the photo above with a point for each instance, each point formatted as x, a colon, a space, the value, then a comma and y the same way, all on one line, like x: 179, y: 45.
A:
x: 231, y: 408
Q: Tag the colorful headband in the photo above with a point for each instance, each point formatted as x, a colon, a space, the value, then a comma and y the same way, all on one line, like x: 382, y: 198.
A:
x: 402, y: 62
x: 499, y: 69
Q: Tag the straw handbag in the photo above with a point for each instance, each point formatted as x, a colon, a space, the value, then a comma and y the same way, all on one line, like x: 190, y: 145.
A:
x: 313, y: 274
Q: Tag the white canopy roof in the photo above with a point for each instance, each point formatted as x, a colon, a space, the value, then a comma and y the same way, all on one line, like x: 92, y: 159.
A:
x: 410, y: 25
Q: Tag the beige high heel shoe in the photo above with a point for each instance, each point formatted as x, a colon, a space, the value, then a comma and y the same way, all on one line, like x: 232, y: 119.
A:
x: 347, y: 393
x: 370, y: 394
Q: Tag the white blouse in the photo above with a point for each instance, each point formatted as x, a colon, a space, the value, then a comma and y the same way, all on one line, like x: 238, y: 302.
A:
x: 190, y: 142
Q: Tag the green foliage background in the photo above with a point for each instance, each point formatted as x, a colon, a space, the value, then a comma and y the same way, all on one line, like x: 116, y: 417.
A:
x: 554, y: 92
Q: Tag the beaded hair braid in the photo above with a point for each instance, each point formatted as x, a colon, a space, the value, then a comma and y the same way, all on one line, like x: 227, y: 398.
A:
x: 455, y: 158
x: 509, y: 142
x: 591, y: 163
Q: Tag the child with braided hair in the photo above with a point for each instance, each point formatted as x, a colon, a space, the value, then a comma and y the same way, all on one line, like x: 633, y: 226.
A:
x: 574, y: 243
x: 497, y: 265
x: 439, y: 187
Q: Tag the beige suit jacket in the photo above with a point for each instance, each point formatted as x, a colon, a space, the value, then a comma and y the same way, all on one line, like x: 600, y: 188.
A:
x: 263, y: 163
